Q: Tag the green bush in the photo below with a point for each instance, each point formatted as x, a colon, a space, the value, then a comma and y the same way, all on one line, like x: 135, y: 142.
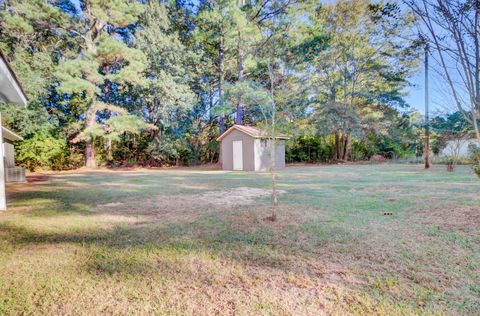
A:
x: 361, y: 151
x: 322, y: 148
x: 171, y: 151
x: 43, y: 151
x: 475, y: 155
x: 310, y: 149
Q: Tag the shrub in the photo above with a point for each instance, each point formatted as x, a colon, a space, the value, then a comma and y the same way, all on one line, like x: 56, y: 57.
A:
x: 171, y: 151
x: 310, y: 149
x: 450, y: 161
x: 43, y: 151
x: 475, y: 155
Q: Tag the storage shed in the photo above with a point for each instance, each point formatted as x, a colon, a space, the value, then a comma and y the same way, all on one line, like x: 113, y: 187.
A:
x: 248, y: 148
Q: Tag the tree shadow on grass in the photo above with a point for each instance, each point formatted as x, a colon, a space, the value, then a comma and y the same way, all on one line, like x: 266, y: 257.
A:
x: 121, y: 248
x: 205, y: 230
x: 62, y: 199
x: 80, y: 193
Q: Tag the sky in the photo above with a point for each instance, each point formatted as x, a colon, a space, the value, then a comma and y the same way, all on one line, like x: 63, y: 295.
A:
x: 440, y: 100
x: 416, y: 93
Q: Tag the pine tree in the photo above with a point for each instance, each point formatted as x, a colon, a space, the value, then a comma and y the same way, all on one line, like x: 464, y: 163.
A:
x: 214, y: 29
x: 31, y: 34
x: 228, y: 31
x: 170, y: 69
x: 105, y: 62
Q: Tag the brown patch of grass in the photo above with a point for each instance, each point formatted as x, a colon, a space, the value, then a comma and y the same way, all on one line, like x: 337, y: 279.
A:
x: 37, y: 178
x: 194, y: 186
x: 233, y: 197
x: 185, y: 208
x: 465, y: 218
x: 123, y: 185
x: 26, y: 187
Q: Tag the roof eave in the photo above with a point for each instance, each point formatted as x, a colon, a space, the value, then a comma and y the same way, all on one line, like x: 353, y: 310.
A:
x: 236, y: 127
x: 228, y: 131
x: 276, y: 137
x: 23, y: 95
x: 10, y: 135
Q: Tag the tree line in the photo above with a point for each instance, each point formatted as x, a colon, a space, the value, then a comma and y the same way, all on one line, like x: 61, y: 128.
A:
x: 126, y: 82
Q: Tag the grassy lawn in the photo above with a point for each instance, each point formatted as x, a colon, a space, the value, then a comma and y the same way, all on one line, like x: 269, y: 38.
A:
x: 190, y: 242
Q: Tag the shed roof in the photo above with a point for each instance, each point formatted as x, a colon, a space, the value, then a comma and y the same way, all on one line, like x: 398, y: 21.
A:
x: 252, y: 131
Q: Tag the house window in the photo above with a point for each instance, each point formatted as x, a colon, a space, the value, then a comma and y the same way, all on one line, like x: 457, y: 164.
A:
x: 264, y: 143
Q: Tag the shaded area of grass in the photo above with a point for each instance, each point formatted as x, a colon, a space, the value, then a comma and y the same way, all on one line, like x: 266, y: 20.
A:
x: 145, y: 243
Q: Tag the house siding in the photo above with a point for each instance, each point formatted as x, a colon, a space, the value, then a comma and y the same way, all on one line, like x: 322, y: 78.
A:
x: 460, y: 145
x: 8, y: 153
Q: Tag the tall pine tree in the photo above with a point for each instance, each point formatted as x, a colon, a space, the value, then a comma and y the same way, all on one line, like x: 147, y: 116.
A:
x: 105, y: 62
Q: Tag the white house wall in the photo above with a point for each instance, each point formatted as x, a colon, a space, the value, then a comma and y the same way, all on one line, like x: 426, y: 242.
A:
x: 463, y: 150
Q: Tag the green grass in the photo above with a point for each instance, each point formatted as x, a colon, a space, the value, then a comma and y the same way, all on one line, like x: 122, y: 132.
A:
x: 191, y: 242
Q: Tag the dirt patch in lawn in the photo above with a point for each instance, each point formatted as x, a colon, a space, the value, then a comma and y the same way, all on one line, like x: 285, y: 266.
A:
x: 458, y: 217
x: 194, y: 186
x: 112, y: 204
x: 473, y: 197
x: 233, y: 197
x: 37, y: 178
x: 123, y: 185
x: 189, y: 207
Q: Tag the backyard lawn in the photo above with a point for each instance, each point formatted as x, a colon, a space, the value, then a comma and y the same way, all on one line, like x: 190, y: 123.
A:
x: 192, y: 242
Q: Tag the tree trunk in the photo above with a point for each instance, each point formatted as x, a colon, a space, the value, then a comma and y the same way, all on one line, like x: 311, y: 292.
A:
x: 89, y: 146
x: 239, y: 118
x: 476, y: 107
x: 106, y: 91
x: 221, y: 71
x: 273, y: 149
x: 222, y: 124
x: 273, y: 173
x: 309, y: 153
x: 109, y: 149
x: 337, y: 146
x: 91, y: 37
x: 346, y: 144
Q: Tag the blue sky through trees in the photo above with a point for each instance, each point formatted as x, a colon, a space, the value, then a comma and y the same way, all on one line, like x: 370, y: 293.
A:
x: 439, y: 99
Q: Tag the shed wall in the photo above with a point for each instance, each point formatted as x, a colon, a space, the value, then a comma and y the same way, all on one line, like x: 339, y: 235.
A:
x: 262, y: 154
x: 248, y: 150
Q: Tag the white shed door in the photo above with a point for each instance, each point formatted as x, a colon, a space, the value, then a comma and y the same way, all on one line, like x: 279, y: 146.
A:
x: 237, y: 155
